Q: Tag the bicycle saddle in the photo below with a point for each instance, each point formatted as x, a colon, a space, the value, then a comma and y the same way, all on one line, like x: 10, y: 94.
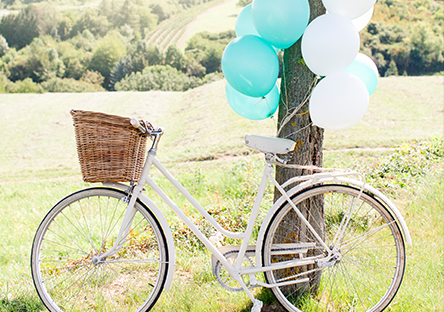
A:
x: 269, y: 144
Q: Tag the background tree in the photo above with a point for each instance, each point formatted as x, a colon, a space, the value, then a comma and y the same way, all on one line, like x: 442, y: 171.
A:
x: 19, y: 30
x: 107, y: 53
x: 92, y: 21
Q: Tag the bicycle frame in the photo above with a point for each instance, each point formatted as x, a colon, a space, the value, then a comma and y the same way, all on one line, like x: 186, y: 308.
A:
x: 234, y: 270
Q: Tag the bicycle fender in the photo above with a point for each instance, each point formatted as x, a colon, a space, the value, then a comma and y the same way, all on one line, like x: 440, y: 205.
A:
x: 340, y: 180
x: 164, y: 225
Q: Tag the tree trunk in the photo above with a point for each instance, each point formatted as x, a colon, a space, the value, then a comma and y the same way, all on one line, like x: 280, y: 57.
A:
x: 296, y: 85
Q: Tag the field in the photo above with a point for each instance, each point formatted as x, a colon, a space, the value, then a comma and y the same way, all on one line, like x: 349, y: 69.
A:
x: 214, y: 16
x: 203, y: 146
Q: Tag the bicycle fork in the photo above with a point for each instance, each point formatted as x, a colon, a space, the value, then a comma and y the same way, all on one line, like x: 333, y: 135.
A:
x: 133, y: 194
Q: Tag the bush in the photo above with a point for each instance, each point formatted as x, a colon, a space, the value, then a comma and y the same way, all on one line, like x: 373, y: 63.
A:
x: 70, y: 85
x: 164, y: 78
x: 4, y: 47
x: 409, y: 161
x: 207, y: 48
x: 159, y: 77
x: 3, y: 82
x: 23, y: 86
x: 39, y: 61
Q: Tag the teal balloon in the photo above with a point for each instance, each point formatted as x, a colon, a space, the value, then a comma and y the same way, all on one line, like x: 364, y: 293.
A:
x: 253, y: 108
x: 245, y: 26
x: 244, y: 23
x: 250, y: 65
x: 365, y: 69
x: 281, y: 22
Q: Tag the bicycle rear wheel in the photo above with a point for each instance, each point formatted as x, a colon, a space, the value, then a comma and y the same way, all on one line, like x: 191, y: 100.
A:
x: 86, y: 224
x: 371, y: 256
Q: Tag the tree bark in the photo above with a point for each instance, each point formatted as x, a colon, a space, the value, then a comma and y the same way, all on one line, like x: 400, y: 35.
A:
x: 296, y: 84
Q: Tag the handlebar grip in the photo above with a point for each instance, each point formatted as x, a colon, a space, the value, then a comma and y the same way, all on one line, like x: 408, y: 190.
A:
x: 136, y: 124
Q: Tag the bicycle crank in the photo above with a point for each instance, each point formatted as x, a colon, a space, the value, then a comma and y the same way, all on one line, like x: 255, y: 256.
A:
x: 231, y: 254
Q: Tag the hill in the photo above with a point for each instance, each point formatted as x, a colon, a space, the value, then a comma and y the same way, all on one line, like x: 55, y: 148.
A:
x: 38, y: 167
x: 38, y: 137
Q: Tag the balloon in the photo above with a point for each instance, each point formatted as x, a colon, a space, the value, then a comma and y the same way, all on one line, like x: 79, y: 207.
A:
x: 350, y: 9
x: 253, y: 108
x: 362, y: 21
x: 365, y: 69
x: 338, y: 101
x: 244, y: 23
x: 281, y: 22
x: 250, y: 65
x: 330, y: 44
x: 245, y: 26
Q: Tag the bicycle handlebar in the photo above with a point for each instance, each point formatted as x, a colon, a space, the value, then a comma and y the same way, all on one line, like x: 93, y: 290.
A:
x: 136, y: 124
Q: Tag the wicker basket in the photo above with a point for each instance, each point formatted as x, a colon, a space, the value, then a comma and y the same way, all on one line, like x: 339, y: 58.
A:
x: 109, y: 148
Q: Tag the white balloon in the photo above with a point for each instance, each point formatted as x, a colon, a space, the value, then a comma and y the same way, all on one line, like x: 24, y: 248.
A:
x: 339, y: 101
x: 348, y: 8
x: 330, y: 44
x: 362, y: 21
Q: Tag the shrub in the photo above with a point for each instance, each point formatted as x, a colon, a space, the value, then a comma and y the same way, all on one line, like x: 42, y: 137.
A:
x: 24, y: 86
x: 70, y: 85
x: 207, y: 49
x: 4, y: 47
x: 93, y: 77
x: 162, y: 77
x: 408, y: 162
x: 159, y: 77
x: 38, y: 61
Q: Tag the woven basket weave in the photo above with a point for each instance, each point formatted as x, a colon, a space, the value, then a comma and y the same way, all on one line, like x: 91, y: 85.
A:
x: 109, y: 148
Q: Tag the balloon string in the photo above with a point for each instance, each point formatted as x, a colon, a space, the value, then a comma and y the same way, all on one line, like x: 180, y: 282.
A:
x: 299, y: 130
x: 268, y: 104
x: 296, y: 110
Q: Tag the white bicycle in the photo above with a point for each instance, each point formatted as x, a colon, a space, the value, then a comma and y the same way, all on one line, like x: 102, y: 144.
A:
x: 330, y: 243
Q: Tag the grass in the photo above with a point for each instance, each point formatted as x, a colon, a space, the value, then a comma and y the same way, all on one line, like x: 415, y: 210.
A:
x: 220, y: 19
x: 203, y: 146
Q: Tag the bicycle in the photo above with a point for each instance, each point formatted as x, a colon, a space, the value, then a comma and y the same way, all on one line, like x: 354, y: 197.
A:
x: 109, y: 247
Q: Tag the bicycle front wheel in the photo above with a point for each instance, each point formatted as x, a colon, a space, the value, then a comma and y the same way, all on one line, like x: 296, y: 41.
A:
x: 369, y: 264
x: 66, y: 273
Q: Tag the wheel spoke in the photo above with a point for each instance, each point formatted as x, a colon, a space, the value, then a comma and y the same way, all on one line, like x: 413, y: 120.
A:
x: 82, y: 226
x: 365, y: 267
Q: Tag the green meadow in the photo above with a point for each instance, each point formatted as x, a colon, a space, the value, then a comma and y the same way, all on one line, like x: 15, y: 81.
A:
x: 203, y: 147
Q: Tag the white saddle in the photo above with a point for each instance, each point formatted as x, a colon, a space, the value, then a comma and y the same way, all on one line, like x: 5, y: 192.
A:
x: 269, y: 145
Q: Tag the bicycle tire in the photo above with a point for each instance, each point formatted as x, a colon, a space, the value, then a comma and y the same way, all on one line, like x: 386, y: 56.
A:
x: 370, y: 270
x: 85, y: 224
